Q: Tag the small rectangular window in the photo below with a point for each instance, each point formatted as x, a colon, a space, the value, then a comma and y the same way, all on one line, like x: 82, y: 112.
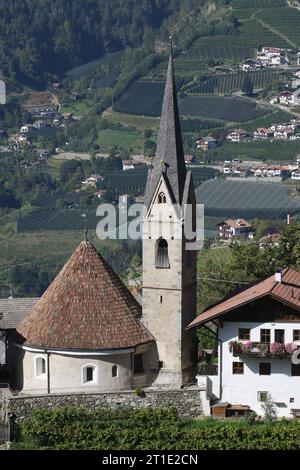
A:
x: 264, y: 368
x: 262, y: 396
x: 244, y: 334
x: 161, y: 299
x: 295, y: 371
x: 279, y: 336
x: 265, y: 336
x: 237, y: 368
x: 138, y: 366
x: 296, y: 335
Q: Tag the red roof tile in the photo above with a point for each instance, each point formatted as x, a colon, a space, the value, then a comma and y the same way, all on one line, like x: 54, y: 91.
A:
x: 287, y: 291
x: 86, y: 307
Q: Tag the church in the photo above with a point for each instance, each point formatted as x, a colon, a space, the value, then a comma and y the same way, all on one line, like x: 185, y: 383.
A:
x: 87, y: 333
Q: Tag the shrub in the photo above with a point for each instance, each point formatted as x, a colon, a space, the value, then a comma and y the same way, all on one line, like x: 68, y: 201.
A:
x: 250, y: 417
x: 139, y: 392
x: 269, y: 408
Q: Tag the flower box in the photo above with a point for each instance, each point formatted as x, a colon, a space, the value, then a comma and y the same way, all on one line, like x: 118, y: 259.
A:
x: 257, y: 349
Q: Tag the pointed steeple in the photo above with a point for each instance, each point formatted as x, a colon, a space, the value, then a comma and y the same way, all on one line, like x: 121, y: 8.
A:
x: 169, y: 152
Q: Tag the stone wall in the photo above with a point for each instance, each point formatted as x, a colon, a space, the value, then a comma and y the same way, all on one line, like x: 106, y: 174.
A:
x: 186, y: 401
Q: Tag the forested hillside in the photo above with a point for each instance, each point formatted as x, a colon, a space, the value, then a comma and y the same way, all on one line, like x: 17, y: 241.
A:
x: 50, y: 36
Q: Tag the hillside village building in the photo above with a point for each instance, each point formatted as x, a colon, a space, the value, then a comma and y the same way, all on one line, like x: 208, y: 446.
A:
x: 258, y: 331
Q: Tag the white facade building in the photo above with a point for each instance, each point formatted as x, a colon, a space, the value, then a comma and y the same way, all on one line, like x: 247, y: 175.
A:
x: 258, y: 336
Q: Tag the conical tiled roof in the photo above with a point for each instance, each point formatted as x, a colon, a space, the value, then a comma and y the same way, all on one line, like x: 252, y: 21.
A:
x: 86, y: 307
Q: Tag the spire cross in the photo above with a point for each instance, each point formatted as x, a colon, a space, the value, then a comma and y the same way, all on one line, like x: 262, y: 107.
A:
x: 171, y: 44
x: 85, y: 227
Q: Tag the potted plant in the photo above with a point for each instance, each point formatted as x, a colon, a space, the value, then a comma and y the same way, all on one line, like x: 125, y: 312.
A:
x: 263, y: 348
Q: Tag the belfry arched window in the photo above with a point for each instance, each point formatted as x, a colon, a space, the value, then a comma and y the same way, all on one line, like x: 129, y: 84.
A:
x: 162, y: 198
x: 162, y: 255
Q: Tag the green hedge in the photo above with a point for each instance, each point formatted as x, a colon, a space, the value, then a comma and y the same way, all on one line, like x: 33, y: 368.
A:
x: 147, y: 429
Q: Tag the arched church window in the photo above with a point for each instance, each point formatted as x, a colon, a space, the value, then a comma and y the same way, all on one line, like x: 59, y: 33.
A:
x: 40, y: 366
x: 114, y: 371
x: 162, y: 198
x: 162, y: 255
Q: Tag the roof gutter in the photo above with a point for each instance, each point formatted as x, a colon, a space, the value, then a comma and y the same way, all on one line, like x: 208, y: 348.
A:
x: 69, y: 352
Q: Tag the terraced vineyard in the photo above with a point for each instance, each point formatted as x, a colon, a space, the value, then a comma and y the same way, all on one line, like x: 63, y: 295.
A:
x: 227, y: 83
x: 204, y: 53
x: 257, y: 3
x: 246, y: 199
x: 251, y: 34
x: 219, y: 107
x: 142, y: 98
x: 285, y: 20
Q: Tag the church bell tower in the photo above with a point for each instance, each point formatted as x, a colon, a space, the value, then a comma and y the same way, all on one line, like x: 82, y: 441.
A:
x: 169, y: 269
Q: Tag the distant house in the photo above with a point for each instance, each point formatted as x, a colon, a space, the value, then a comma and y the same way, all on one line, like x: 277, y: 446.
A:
x: 68, y: 117
x: 283, y: 135
x: 189, y: 159
x: 129, y: 165
x: 263, y: 133
x: 206, y: 143
x: 23, y: 139
x: 274, y: 100
x: 237, y: 135
x: 270, y: 240
x: 26, y: 128
x: 272, y: 56
x: 227, y: 169
x: 40, y: 124
x: 234, y: 228
x: 92, y: 180
x: 250, y: 64
x: 287, y: 98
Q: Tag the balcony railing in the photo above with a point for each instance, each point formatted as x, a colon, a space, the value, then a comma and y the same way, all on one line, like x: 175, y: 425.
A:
x: 257, y: 349
x: 208, y: 369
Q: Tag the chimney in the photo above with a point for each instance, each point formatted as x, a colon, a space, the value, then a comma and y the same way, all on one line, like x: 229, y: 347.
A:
x: 278, y: 275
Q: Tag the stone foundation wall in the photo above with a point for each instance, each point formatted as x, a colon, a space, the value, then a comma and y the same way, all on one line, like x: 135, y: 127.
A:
x: 187, y: 401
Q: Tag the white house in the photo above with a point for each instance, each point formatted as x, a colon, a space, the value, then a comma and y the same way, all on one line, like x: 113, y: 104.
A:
x: 287, y: 98
x: 234, y: 228
x: 250, y: 64
x: 272, y: 56
x: 262, y: 133
x: 129, y: 165
x: 237, y: 135
x: 92, y: 180
x: 258, y: 332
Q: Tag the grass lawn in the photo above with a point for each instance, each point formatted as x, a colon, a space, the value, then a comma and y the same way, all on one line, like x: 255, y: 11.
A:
x: 79, y: 108
x: 139, y: 122
x: 128, y: 140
